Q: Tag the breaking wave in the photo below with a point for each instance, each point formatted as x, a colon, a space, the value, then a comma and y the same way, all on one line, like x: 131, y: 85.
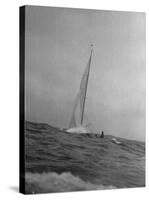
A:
x: 53, y: 182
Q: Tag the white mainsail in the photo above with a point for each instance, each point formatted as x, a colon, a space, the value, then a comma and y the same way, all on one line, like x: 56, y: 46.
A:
x: 80, y: 99
x: 73, y: 122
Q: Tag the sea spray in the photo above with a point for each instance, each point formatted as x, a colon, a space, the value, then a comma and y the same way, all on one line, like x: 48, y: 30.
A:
x: 53, y: 182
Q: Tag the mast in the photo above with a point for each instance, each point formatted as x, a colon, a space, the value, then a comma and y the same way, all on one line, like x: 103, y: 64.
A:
x: 86, y: 83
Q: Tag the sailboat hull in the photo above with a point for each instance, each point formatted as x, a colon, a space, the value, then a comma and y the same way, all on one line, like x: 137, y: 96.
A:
x: 80, y: 129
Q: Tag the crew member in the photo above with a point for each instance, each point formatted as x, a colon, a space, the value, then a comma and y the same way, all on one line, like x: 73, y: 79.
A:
x: 102, y: 135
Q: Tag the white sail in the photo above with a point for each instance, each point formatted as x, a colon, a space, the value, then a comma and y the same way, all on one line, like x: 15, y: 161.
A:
x: 73, y: 122
x: 80, y: 101
x: 83, y: 88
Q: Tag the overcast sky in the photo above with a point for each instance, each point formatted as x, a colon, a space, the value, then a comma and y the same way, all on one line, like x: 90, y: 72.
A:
x: 57, y: 51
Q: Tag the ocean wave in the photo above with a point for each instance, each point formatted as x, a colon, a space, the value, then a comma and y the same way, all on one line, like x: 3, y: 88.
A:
x: 53, y: 182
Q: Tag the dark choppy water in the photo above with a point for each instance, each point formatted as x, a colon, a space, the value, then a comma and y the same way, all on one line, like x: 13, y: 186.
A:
x: 57, y: 161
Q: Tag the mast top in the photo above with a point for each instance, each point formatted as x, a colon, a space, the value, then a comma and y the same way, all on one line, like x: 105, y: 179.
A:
x: 91, y: 47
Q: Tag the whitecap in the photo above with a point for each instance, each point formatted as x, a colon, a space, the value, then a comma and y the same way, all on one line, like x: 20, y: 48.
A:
x: 64, y: 182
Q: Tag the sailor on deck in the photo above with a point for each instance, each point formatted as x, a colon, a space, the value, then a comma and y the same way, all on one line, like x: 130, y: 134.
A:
x: 102, y: 134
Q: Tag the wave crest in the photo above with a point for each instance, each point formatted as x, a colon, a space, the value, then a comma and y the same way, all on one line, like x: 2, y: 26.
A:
x: 53, y: 182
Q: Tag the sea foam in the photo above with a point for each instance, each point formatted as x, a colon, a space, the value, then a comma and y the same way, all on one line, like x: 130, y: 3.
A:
x: 53, y: 182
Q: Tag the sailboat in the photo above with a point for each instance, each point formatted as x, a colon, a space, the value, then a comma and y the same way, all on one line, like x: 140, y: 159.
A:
x: 74, y: 125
